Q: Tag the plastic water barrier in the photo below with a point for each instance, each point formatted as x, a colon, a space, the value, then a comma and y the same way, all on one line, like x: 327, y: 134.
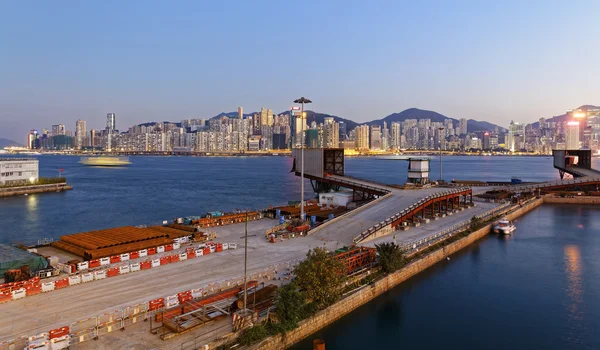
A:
x: 110, y: 322
x: 124, y: 257
x: 134, y: 267
x: 87, y: 277
x: 155, y: 262
x: 84, y: 265
x: 19, y: 293
x: 123, y: 269
x: 160, y: 249
x: 182, y: 256
x: 47, y: 286
x: 98, y: 275
x: 198, y: 252
x: 73, y: 280
x: 60, y: 342
x: 171, y: 300
x: 104, y: 261
x: 143, y: 253
x: 176, y: 245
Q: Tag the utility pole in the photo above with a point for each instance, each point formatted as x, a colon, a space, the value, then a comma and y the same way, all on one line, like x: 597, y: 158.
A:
x: 440, y: 137
x: 246, y: 263
x: 302, y: 101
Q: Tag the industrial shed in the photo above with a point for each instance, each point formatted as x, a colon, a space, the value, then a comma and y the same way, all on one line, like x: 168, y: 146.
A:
x: 13, y: 258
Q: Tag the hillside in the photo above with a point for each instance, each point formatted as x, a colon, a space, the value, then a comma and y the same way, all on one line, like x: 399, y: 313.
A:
x: 7, y: 142
x: 563, y: 117
x: 415, y: 113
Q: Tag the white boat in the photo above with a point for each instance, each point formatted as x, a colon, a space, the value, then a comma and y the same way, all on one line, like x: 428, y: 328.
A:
x: 504, y: 226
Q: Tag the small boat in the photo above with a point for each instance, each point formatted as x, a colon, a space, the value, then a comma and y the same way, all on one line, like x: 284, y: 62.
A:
x: 504, y: 226
x: 105, y: 161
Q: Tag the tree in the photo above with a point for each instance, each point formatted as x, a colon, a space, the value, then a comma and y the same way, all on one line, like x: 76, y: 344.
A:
x: 290, y: 303
x: 476, y: 223
x: 390, y: 256
x: 320, y: 276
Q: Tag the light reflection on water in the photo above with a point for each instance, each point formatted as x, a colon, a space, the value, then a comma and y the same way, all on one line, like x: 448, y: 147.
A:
x: 574, y: 274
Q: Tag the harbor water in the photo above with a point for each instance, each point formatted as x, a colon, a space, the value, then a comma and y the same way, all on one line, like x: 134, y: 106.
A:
x: 537, y: 289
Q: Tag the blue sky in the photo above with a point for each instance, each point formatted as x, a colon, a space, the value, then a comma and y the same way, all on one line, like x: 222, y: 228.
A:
x: 170, y: 60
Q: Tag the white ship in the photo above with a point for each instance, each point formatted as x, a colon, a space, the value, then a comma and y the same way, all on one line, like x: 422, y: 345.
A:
x: 504, y: 226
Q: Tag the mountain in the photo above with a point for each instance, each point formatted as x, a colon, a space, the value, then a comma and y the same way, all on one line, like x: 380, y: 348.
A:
x: 563, y: 117
x: 7, y: 142
x: 411, y: 113
x: 320, y: 118
x: 415, y: 113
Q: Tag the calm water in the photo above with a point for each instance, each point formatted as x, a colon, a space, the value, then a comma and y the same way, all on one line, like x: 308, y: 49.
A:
x: 539, y: 289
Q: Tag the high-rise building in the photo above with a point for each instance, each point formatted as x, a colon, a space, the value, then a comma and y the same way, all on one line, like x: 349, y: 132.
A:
x: 80, y: 134
x: 362, y: 137
x: 462, y: 125
x: 375, y: 137
x: 486, y: 141
x: 111, y: 122
x: 240, y: 113
x: 396, y: 139
x: 31, y: 137
x: 58, y: 129
x: 331, y: 133
x: 343, y: 132
x: 516, y: 135
x: 572, y: 135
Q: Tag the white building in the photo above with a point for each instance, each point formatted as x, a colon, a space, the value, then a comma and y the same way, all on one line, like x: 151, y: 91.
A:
x: 572, y: 135
x: 14, y: 171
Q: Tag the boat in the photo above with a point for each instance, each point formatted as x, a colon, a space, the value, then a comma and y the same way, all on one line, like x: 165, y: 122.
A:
x: 504, y: 226
x: 105, y: 161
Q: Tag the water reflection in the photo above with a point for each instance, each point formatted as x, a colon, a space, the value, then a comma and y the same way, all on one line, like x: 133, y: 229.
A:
x: 574, y: 278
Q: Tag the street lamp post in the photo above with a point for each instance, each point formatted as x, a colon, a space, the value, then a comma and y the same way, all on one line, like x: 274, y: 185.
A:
x: 440, y: 136
x: 302, y: 101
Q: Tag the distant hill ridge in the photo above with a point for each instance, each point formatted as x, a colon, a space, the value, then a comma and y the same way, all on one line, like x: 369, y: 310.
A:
x: 7, y: 143
x: 411, y: 113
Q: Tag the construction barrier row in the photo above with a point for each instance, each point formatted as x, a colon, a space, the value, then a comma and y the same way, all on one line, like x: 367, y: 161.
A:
x: 94, y: 327
x: 18, y: 290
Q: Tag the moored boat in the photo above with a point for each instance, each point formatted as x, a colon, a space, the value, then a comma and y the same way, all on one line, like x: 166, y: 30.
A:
x: 504, y: 226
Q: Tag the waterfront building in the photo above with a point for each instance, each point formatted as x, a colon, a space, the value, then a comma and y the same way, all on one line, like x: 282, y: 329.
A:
x: 331, y: 133
x: 486, y: 141
x: 516, y: 134
x: 31, y: 137
x: 396, y: 137
x: 343, y: 132
x: 312, y: 138
x: 58, y: 129
x: 80, y: 134
x: 16, y: 171
x: 572, y: 135
x: 462, y: 125
x: 375, y: 143
x: 362, y: 137
x: 111, y: 122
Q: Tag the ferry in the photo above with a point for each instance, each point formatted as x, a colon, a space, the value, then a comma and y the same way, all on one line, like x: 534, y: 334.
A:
x: 504, y: 226
x: 105, y: 161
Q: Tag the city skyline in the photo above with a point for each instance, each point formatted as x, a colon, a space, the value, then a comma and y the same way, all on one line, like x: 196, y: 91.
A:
x: 467, y: 62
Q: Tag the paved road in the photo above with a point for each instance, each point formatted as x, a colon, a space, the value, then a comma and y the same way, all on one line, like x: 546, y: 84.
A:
x: 42, y: 312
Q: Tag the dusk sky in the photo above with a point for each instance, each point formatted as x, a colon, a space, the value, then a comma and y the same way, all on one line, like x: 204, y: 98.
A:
x: 362, y: 60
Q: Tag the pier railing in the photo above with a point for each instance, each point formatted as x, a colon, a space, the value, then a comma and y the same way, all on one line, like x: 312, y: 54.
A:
x: 450, y: 231
x: 371, y: 230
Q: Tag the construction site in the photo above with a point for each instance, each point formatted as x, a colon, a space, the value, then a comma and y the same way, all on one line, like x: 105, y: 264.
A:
x: 183, y: 282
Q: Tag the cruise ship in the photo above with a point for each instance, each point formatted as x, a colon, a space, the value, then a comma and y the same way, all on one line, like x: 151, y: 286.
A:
x: 105, y: 161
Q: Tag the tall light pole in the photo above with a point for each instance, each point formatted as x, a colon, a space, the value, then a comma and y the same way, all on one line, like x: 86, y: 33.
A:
x: 440, y: 137
x: 302, y: 101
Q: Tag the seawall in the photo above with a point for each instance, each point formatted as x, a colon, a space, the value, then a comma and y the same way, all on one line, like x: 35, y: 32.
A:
x: 15, y: 191
x: 572, y: 200
x: 368, y: 293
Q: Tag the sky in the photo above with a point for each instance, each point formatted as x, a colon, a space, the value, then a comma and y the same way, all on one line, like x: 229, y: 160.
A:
x: 362, y: 60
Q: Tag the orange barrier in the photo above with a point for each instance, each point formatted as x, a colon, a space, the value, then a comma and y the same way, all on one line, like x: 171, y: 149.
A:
x: 156, y: 304
x: 219, y: 247
x: 112, y: 272
x: 115, y: 259
x: 58, y: 284
x: 59, y: 332
x: 165, y: 260
x: 134, y: 255
x: 94, y: 263
x: 184, y: 296
x: 191, y: 254
x: 151, y: 251
x: 206, y: 251
x: 4, y: 297
x: 168, y: 247
x: 174, y: 258
x: 145, y: 265
x: 33, y: 290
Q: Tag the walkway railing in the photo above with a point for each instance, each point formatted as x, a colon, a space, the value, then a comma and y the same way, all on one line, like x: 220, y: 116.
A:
x: 371, y: 230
